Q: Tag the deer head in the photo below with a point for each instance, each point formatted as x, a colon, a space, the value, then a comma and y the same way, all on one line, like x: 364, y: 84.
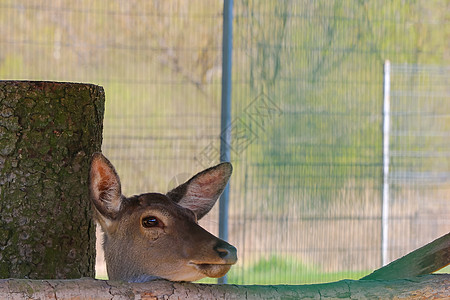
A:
x: 155, y: 235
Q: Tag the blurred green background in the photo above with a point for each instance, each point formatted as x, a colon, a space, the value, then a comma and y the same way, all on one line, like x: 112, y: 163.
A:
x: 307, y: 93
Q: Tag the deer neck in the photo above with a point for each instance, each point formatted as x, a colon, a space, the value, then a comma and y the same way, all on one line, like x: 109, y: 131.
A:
x: 121, y: 264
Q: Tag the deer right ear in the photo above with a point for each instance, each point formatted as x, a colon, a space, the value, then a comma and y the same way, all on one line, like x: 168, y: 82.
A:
x: 201, y: 192
x: 104, y: 187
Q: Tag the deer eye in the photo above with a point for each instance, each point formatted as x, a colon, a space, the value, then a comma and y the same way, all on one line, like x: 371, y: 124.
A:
x: 150, y: 221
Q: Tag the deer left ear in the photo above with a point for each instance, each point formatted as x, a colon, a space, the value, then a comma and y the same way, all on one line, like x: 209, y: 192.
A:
x: 201, y: 192
x: 104, y: 187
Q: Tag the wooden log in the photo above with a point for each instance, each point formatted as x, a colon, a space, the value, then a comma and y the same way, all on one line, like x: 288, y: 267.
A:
x: 48, y: 132
x: 435, y: 286
x: 425, y: 260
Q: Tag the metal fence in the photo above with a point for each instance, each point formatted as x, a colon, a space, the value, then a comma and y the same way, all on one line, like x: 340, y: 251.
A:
x: 419, y: 173
x: 307, y: 112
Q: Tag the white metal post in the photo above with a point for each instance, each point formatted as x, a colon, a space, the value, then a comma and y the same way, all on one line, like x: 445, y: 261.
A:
x: 386, y: 133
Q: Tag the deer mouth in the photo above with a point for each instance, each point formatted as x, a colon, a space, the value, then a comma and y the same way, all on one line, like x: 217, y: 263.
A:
x: 212, y: 270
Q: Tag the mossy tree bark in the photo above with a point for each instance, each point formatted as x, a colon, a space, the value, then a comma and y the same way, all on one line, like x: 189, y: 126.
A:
x: 48, y: 132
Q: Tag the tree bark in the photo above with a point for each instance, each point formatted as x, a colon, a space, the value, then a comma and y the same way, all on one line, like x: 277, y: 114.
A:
x: 48, y: 132
x: 425, y: 260
x: 424, y: 287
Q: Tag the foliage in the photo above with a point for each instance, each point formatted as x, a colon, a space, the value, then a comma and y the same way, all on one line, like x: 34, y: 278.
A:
x: 325, y: 60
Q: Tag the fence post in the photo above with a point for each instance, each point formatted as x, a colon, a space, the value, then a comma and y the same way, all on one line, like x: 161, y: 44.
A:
x: 225, y: 133
x: 386, y: 133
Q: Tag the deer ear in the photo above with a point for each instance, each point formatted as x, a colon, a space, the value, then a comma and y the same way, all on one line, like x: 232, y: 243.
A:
x: 201, y: 192
x: 104, y: 187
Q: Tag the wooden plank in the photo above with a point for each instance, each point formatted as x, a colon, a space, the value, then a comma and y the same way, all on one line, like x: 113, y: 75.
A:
x: 425, y: 260
x: 435, y: 286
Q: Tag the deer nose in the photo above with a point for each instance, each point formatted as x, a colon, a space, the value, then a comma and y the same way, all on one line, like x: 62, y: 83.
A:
x: 227, y: 252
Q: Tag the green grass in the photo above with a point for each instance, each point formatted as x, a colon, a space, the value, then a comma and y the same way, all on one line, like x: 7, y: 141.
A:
x: 280, y: 270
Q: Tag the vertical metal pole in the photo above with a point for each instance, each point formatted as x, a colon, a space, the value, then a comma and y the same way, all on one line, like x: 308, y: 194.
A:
x: 225, y: 134
x: 386, y: 133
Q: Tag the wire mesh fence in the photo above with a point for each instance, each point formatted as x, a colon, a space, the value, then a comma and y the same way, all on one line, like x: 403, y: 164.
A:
x: 309, y: 99
x: 306, y: 193
x: 420, y: 157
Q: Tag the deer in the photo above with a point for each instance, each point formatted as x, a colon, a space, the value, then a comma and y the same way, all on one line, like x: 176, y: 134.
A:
x: 157, y: 236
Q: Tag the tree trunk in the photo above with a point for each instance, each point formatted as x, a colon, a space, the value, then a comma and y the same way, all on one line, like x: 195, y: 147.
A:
x: 48, y: 132
x: 424, y: 287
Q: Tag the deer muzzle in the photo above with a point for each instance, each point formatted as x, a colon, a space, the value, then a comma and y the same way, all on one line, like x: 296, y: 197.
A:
x: 226, y: 256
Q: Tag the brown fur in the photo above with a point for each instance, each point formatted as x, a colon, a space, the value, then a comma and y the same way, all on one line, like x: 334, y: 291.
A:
x: 176, y: 247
